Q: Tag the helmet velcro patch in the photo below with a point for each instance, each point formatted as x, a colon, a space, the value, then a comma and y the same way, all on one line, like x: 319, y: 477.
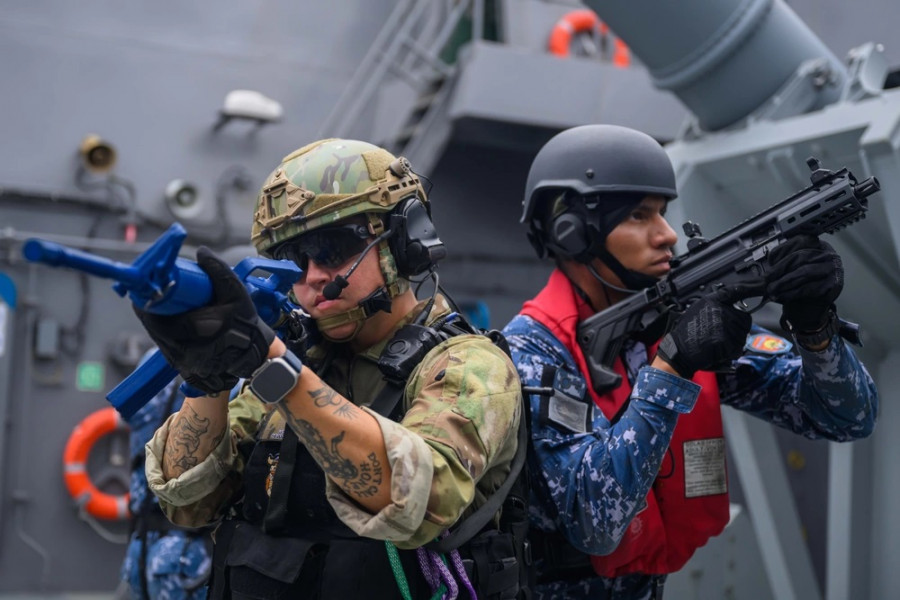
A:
x: 377, y: 162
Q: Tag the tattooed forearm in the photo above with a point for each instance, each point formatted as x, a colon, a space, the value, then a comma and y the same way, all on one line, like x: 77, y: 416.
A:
x: 363, y: 481
x: 184, y: 441
x: 351, y: 455
x: 325, y: 452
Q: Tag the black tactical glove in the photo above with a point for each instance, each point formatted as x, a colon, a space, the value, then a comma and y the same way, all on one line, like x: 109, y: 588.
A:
x: 710, y: 333
x: 214, y: 345
x: 806, y: 277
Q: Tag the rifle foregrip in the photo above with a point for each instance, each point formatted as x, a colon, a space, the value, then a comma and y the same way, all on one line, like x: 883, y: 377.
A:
x: 136, y: 390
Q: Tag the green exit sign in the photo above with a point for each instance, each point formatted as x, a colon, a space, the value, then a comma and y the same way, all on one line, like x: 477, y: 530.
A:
x: 89, y: 377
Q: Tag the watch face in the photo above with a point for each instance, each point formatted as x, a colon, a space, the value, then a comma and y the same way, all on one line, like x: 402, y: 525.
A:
x: 274, y: 382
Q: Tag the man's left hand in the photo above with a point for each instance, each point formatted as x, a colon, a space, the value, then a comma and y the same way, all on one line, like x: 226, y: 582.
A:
x: 806, y: 277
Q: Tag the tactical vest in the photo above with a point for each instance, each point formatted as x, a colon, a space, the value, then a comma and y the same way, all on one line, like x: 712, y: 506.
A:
x: 688, y: 502
x: 270, y: 551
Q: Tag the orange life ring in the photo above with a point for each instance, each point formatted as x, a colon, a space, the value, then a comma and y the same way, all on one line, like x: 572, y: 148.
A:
x: 584, y: 21
x: 75, y: 457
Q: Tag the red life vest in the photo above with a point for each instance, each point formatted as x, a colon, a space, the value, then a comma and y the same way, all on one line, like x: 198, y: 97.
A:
x: 685, y: 506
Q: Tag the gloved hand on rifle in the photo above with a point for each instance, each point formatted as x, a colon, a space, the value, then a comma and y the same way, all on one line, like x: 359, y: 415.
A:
x: 213, y: 346
x: 806, y: 277
x: 710, y: 333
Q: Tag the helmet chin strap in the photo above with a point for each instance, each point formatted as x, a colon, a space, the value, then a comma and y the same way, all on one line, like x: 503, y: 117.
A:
x: 634, y: 281
x: 351, y: 316
x: 377, y: 301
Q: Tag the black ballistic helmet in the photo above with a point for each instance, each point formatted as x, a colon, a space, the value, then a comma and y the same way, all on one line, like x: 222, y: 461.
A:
x: 603, y: 170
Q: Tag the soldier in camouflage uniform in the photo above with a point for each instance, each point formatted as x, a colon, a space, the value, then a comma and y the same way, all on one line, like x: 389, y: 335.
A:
x: 622, y: 496
x: 329, y: 492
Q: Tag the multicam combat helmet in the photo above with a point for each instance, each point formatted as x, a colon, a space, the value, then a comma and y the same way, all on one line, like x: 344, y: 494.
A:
x: 328, y: 181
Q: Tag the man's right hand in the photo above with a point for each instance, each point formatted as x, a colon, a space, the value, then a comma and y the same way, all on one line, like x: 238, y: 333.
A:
x: 213, y: 346
x: 711, y: 332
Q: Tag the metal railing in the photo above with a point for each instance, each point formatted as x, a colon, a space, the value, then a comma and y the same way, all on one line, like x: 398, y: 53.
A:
x: 408, y: 48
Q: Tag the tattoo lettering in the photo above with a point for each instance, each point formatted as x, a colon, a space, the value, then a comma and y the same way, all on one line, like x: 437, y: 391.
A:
x: 184, y: 441
x: 368, y: 481
x: 325, y: 396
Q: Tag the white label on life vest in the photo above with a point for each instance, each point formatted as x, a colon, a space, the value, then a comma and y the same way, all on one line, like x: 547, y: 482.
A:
x: 704, y: 468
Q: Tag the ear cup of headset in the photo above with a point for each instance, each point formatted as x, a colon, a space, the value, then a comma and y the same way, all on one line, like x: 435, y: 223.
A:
x: 568, y: 236
x: 415, y: 244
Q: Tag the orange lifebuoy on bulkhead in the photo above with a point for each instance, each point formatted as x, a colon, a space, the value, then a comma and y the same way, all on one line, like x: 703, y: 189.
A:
x: 584, y: 21
x: 75, y: 457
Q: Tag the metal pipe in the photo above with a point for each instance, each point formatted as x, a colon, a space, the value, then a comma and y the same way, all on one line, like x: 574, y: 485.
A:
x: 477, y: 20
x: 7, y: 332
x: 8, y: 235
x: 723, y: 59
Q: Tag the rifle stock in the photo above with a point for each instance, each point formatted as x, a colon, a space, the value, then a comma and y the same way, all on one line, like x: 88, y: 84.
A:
x: 833, y: 200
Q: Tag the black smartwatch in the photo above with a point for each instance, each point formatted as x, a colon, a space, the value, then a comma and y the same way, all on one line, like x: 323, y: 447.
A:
x: 276, y: 377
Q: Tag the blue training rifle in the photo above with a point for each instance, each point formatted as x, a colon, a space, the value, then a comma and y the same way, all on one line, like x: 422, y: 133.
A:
x: 161, y: 283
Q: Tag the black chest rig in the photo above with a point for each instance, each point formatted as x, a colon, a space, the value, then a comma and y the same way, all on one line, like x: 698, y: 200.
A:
x: 285, y: 540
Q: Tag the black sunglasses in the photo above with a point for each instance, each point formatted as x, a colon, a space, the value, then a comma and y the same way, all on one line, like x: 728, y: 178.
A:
x: 328, y: 247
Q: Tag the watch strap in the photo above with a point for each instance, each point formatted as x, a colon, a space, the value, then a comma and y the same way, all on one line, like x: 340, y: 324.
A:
x: 814, y: 339
x: 293, y: 360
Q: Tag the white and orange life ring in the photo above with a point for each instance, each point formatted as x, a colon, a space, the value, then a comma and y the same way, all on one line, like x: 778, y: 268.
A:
x: 584, y: 21
x: 95, y: 502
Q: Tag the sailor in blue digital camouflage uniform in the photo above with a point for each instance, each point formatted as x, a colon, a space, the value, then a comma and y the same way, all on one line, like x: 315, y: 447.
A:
x: 621, y: 497
x: 162, y: 561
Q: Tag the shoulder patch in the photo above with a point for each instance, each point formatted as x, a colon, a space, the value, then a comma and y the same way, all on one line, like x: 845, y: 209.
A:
x: 767, y: 343
x: 567, y: 407
x: 568, y: 412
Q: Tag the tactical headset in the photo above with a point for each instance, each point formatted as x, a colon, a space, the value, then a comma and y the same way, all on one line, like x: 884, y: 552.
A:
x: 579, y: 231
x: 414, y: 243
x: 412, y: 240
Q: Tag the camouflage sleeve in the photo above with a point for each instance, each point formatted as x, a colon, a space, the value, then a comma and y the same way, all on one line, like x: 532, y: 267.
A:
x: 200, y: 495
x: 826, y: 394
x: 592, y: 476
x: 452, y: 448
